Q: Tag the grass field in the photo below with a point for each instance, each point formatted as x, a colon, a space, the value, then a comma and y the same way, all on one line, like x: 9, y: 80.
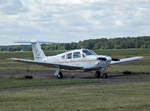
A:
x: 22, y: 82
x: 116, y: 53
x: 125, y: 97
x: 133, y: 96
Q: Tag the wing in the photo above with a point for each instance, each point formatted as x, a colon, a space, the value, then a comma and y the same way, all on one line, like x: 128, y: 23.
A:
x: 55, y: 65
x: 125, y: 60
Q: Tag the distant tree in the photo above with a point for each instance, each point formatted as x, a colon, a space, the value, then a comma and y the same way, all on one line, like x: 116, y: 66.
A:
x: 103, y: 43
x: 29, y: 48
x: 97, y: 45
x: 67, y: 46
x: 1, y: 49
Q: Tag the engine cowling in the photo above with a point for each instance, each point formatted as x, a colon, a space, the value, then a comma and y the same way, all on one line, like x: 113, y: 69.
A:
x: 102, y: 58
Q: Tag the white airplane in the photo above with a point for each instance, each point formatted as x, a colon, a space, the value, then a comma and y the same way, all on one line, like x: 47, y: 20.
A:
x: 80, y: 59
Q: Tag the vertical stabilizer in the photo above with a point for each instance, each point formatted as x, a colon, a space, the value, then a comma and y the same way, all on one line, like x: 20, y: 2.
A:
x: 37, y: 51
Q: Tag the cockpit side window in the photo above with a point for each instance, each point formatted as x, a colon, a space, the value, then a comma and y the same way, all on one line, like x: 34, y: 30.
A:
x: 69, y: 56
x: 63, y: 57
x: 93, y: 52
x: 76, y: 55
x: 88, y: 52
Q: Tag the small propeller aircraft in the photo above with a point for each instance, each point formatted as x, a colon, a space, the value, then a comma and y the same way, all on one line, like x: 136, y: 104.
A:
x: 80, y: 59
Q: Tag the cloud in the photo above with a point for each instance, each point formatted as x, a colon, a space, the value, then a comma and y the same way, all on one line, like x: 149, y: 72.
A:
x: 11, y: 7
x: 72, y: 20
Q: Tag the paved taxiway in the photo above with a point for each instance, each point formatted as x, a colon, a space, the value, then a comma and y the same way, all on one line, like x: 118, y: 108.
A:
x: 112, y: 79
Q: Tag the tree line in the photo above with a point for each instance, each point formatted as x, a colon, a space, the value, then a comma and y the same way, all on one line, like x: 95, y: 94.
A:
x: 103, y: 43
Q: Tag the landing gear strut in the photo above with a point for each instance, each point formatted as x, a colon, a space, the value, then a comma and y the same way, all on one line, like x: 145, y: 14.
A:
x: 104, y: 76
x: 58, y: 74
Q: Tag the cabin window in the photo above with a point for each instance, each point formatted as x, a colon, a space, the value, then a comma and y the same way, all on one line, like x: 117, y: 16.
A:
x: 63, y: 57
x: 76, y: 55
x: 89, y: 52
x: 69, y: 56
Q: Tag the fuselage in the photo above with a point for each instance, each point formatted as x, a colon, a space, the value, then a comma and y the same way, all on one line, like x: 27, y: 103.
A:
x: 82, y: 57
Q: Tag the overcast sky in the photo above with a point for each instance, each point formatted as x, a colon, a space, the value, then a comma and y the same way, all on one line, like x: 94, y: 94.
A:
x: 72, y: 20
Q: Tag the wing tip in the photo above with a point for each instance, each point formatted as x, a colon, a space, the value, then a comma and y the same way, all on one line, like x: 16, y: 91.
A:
x: 11, y: 59
x: 140, y: 57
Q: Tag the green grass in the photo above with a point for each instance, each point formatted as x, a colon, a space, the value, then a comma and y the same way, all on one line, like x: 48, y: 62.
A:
x: 5, y: 55
x: 124, y: 51
x: 115, y: 53
x: 118, y: 69
x: 21, y: 82
x: 125, y: 97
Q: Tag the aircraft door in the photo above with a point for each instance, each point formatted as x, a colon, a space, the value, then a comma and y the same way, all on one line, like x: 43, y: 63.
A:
x: 76, y: 58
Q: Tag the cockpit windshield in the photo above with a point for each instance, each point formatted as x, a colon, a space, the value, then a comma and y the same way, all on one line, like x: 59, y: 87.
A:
x: 88, y: 52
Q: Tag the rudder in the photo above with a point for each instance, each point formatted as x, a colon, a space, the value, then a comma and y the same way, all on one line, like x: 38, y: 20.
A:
x: 37, y: 51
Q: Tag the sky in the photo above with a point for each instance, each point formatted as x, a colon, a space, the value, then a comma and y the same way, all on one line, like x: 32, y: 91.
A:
x: 72, y: 20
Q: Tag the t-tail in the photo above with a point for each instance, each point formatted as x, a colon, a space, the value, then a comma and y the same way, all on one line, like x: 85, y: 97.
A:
x: 36, y: 49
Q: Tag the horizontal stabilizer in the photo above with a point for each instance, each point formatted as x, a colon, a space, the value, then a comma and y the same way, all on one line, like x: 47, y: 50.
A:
x: 41, y: 42
x: 36, y: 48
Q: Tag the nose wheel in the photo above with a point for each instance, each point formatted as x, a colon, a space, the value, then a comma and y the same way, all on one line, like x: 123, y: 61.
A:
x: 99, y: 75
x: 105, y: 76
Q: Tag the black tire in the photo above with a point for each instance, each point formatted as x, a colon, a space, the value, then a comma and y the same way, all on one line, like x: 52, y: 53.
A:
x: 98, y: 74
x: 105, y: 76
x: 60, y: 76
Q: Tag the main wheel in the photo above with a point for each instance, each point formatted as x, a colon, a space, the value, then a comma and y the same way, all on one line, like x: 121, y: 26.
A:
x: 97, y: 74
x: 105, y: 76
x: 60, y: 75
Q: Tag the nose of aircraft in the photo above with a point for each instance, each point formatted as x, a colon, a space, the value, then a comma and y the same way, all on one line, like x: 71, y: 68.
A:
x: 104, y: 61
x: 105, y: 58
